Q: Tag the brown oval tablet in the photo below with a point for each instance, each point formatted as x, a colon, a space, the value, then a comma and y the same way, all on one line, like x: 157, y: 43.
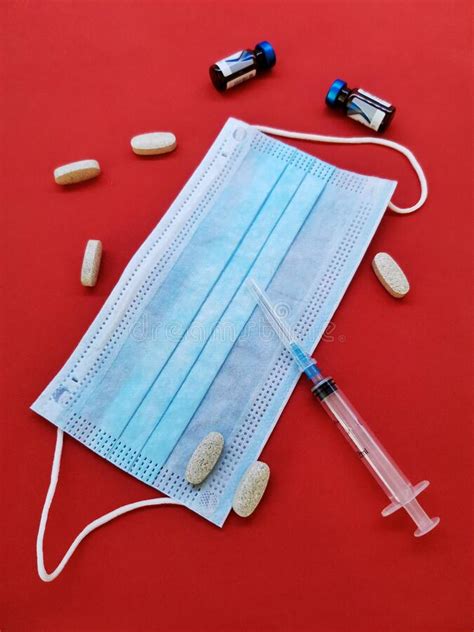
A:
x: 204, y: 458
x: 153, y: 143
x: 76, y: 172
x: 251, y: 488
x: 390, y: 275
x: 91, y: 262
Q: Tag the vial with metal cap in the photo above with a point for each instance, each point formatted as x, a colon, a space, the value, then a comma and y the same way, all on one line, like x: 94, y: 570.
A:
x: 242, y: 65
x: 360, y: 105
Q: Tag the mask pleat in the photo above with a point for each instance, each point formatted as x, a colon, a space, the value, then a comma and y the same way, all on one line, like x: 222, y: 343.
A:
x: 232, y: 301
x: 172, y: 309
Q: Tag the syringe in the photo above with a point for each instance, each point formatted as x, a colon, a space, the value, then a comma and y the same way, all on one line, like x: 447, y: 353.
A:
x: 385, y: 471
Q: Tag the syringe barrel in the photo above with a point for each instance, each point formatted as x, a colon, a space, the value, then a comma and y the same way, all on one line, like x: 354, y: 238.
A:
x: 385, y: 471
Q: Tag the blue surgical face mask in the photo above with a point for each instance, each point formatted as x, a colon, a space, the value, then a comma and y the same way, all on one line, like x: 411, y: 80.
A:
x: 179, y: 348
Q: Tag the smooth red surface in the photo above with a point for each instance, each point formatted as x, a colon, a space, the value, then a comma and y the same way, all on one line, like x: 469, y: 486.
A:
x: 78, y: 80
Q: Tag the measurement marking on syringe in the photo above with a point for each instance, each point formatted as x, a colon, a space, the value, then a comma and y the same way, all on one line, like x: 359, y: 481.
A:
x: 361, y: 449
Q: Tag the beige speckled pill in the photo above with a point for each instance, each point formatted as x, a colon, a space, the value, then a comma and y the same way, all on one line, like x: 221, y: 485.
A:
x: 390, y: 275
x: 204, y: 458
x: 77, y: 172
x: 251, y: 489
x: 153, y: 143
x: 91, y: 263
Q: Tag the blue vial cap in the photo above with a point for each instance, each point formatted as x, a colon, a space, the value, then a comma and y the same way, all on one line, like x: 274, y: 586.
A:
x: 268, y: 53
x: 334, y: 91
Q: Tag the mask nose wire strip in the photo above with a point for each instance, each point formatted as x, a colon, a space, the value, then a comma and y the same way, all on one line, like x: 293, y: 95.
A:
x: 95, y: 524
x: 362, y: 140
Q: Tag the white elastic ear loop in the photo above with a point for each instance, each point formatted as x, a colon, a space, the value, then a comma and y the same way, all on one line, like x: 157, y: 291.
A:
x: 319, y: 138
x: 95, y: 524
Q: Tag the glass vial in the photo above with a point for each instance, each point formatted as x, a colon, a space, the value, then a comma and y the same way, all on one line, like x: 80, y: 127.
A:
x: 360, y: 105
x: 241, y: 66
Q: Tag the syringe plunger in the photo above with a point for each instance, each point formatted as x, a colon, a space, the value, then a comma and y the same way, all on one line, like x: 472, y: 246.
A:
x: 379, y: 463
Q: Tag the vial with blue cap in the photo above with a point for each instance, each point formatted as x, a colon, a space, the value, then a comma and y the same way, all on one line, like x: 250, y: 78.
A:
x: 360, y: 105
x: 242, y: 65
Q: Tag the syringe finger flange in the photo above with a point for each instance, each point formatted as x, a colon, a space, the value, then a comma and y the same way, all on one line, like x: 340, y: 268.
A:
x: 394, y: 506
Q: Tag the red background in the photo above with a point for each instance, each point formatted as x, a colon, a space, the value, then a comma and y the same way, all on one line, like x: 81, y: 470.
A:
x: 78, y: 80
